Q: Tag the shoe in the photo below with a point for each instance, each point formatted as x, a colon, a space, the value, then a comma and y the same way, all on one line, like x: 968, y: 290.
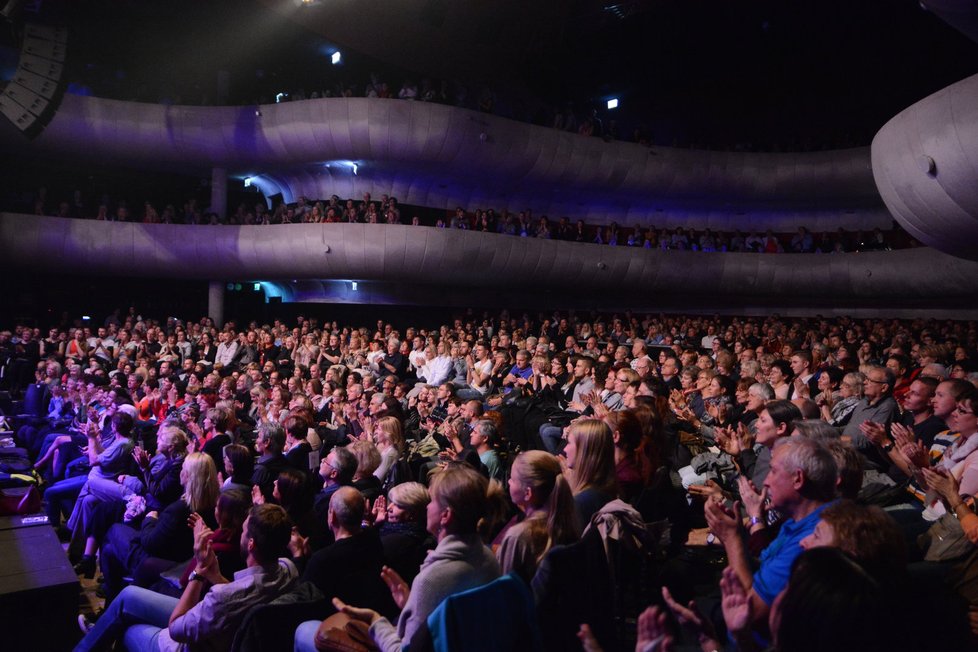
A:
x: 84, y: 624
x: 86, y: 567
x: 64, y: 534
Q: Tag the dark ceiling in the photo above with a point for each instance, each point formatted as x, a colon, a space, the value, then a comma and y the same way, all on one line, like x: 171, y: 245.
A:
x: 766, y: 74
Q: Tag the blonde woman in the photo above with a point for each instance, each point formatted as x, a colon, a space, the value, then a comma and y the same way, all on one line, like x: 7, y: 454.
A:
x: 164, y: 535
x: 389, y: 439
x: 540, y: 491
x: 590, y: 465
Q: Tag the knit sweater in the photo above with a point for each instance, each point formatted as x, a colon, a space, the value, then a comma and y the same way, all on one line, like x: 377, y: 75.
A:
x: 458, y: 563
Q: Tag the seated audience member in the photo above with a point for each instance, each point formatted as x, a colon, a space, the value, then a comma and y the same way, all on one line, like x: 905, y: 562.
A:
x: 460, y: 562
x: 801, y: 482
x: 483, y: 440
x: 213, y: 435
x: 368, y: 459
x: 352, y: 566
x: 163, y: 536
x: 108, y: 462
x: 269, y: 446
x: 590, y: 452
x: 633, y: 456
x: 297, y: 447
x: 390, y: 442
x: 402, y: 524
x: 336, y: 470
x: 158, y: 486
x: 540, y: 491
x: 836, y: 406
x: 239, y: 467
x: 202, y: 618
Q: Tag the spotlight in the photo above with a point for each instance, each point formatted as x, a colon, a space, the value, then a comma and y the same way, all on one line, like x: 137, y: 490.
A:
x: 247, y: 182
x: 613, y: 103
x: 335, y: 58
x: 353, y: 286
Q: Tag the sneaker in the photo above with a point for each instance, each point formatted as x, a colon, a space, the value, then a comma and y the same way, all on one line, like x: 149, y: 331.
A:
x: 84, y: 624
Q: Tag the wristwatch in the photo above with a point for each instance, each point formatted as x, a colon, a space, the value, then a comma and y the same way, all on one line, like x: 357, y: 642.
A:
x: 196, y: 577
x: 886, y: 448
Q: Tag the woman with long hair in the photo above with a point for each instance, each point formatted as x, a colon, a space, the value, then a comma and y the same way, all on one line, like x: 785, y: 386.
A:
x: 389, y: 438
x: 540, y: 491
x: 164, y: 537
x: 460, y: 561
x: 590, y: 455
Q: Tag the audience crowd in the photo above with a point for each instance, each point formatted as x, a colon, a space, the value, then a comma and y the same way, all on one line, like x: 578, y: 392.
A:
x: 510, y: 482
x: 387, y: 210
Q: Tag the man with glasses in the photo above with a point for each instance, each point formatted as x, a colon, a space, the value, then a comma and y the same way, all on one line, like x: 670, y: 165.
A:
x: 877, y: 406
x: 336, y: 470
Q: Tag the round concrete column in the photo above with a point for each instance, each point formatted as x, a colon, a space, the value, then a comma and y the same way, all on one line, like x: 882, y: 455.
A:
x: 219, y: 192
x: 215, y: 302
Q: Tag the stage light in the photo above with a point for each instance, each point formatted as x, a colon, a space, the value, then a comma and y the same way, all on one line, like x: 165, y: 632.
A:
x: 353, y: 285
x: 613, y: 103
x: 335, y: 58
x: 247, y: 182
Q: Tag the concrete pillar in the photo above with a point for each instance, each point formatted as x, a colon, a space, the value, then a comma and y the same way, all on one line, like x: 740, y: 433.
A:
x: 219, y: 192
x: 215, y: 302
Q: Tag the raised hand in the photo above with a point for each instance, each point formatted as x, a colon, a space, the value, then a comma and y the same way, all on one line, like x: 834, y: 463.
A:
x: 916, y: 454
x: 368, y: 616
x: 651, y: 634
x: 298, y: 544
x: 725, y: 524
x: 400, y: 590
x: 257, y: 497
x: 709, y: 490
x: 902, y: 435
x: 874, y: 432
x: 943, y: 483
x: 735, y: 603
x: 380, y: 510
x: 754, y: 502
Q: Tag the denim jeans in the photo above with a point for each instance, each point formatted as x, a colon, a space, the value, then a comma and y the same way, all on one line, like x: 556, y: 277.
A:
x: 305, y: 636
x: 143, y: 611
x: 552, y: 436
x: 61, y: 497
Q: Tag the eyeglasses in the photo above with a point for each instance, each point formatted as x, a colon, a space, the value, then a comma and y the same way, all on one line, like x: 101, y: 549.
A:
x: 961, y: 410
x: 873, y: 380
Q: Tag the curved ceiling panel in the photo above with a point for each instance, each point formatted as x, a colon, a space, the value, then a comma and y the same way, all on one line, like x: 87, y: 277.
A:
x: 925, y: 161
x: 460, y: 259
x: 436, y: 155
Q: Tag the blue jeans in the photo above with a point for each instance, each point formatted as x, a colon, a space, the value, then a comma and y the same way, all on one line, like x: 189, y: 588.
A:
x: 469, y: 394
x: 552, y: 436
x: 61, y: 497
x: 305, y: 636
x: 138, y: 614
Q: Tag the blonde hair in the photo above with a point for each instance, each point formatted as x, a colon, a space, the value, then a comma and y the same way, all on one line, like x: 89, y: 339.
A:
x: 464, y: 490
x: 412, y: 497
x: 595, y: 463
x: 391, y: 427
x: 368, y: 457
x: 541, y: 472
x: 200, y: 486
x: 177, y: 438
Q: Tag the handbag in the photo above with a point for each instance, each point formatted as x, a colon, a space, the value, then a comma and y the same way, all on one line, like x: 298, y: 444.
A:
x: 945, y: 540
x: 19, y: 501
x: 340, y: 633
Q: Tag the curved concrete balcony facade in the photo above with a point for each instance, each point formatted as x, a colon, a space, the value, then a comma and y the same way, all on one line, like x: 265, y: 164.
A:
x: 440, y: 156
x: 925, y: 161
x: 418, y: 264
